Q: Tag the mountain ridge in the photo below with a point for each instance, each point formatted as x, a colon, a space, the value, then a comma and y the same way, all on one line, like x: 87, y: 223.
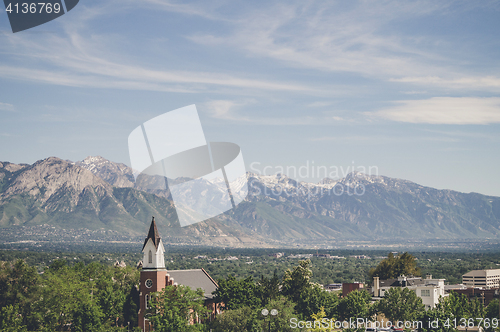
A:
x: 99, y: 194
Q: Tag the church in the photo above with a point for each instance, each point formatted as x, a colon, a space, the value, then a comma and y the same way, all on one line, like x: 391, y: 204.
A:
x: 155, y: 277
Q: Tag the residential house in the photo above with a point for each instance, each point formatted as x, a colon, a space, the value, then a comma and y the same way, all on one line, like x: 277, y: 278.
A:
x: 429, y: 289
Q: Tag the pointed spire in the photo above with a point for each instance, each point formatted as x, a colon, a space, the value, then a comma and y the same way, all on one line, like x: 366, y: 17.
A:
x: 153, y: 235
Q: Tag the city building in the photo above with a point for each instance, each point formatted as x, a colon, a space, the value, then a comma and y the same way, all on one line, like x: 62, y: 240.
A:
x: 332, y: 287
x: 482, y: 279
x: 351, y: 286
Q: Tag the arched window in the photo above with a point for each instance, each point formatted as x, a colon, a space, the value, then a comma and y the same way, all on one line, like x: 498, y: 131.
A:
x: 150, y: 257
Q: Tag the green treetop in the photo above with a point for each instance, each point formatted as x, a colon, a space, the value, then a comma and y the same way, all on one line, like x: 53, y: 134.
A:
x: 394, y: 266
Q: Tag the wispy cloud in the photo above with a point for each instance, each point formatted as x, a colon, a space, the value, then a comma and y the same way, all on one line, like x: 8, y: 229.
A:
x: 444, y: 110
x: 196, y: 9
x: 378, y: 139
x: 131, y: 77
x: 225, y: 110
x: 329, y: 37
x: 466, y: 135
x: 7, y: 107
x: 414, y: 92
x: 233, y: 111
x: 359, y: 38
x: 465, y: 82
x: 91, y: 60
x: 320, y: 104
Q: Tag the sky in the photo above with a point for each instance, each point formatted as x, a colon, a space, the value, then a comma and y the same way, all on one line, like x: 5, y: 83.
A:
x: 405, y: 89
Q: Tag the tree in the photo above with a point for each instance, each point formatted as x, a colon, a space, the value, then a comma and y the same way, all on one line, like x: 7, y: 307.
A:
x: 460, y: 306
x: 492, y: 309
x: 110, y: 298
x: 401, y: 304
x: 87, y: 317
x: 320, y: 318
x: 237, y: 320
x: 11, y: 320
x: 131, y: 307
x: 435, y: 320
x: 85, y: 297
x: 59, y: 293
x: 268, y: 289
x: 177, y: 309
x: 454, y: 308
x: 308, y: 297
x: 280, y: 322
x: 355, y: 305
x: 394, y: 266
x: 492, y: 312
x: 246, y: 319
x: 296, y: 281
x: 315, y: 299
x: 237, y: 293
x: 20, y: 287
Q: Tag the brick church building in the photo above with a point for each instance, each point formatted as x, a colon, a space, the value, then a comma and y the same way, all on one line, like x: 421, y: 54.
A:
x: 155, y: 277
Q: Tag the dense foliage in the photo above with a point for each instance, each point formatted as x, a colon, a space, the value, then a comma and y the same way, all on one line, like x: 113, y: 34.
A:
x: 311, y: 304
x: 343, y: 266
x: 177, y: 309
x: 81, y: 291
x: 84, y: 298
x: 400, y: 304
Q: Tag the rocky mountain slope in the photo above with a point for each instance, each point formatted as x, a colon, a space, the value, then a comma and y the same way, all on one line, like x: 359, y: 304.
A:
x: 99, y: 194
x: 116, y: 174
x: 382, y: 207
x: 57, y: 192
x: 54, y: 192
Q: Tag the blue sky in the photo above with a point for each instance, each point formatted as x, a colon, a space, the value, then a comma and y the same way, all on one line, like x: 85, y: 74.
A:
x: 409, y: 87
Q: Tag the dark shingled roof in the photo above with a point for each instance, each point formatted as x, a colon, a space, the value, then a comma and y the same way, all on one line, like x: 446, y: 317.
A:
x: 198, y: 278
x: 153, y: 235
x: 410, y: 281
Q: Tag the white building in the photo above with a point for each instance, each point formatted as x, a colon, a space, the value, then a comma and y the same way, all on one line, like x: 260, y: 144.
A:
x: 429, y: 290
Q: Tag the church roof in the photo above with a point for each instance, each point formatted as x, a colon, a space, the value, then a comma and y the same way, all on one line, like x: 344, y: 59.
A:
x: 197, y: 278
x: 153, y: 235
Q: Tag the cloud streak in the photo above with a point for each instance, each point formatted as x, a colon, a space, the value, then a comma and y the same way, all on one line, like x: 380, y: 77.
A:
x: 361, y: 38
x: 444, y: 110
x: 378, y: 139
x: 464, y: 82
x: 75, y: 59
x: 230, y: 110
x: 331, y: 38
x: 224, y: 110
x: 7, y: 107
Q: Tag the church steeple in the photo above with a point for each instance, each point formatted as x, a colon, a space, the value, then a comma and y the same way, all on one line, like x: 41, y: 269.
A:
x: 153, y: 250
x: 153, y: 235
x: 154, y: 276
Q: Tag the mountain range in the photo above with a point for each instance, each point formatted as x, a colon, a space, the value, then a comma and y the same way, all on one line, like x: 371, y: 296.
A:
x: 98, y: 194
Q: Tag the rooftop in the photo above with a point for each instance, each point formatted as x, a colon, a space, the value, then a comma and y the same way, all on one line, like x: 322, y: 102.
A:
x: 197, y: 278
x: 153, y: 235
x: 483, y: 273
